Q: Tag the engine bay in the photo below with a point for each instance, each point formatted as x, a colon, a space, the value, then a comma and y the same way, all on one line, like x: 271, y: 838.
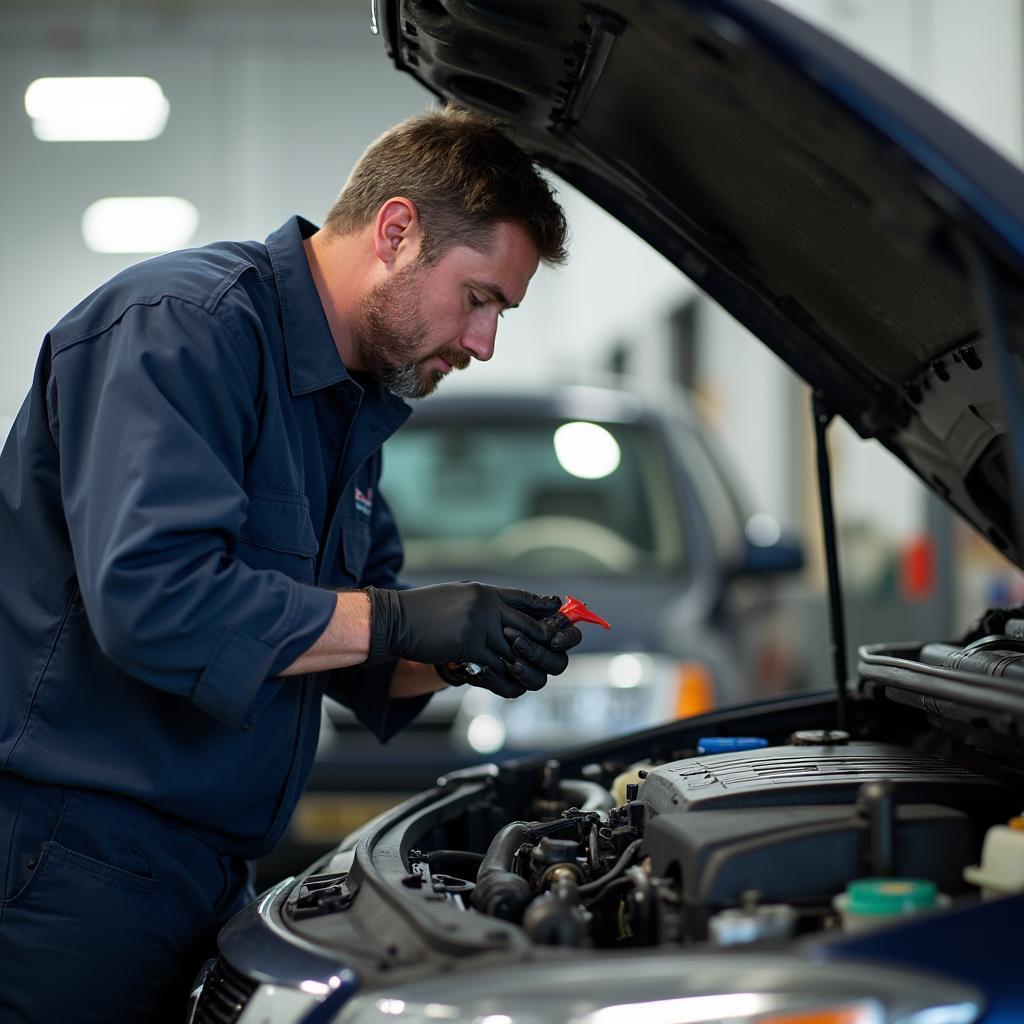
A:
x: 735, y: 841
x: 730, y: 848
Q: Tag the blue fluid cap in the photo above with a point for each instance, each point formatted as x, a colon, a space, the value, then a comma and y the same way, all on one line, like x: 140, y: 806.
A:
x: 729, y: 744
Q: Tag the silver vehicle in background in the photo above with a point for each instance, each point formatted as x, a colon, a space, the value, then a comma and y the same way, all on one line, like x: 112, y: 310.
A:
x: 627, y: 506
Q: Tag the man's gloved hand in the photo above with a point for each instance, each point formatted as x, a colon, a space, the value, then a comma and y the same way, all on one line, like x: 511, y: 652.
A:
x: 547, y: 655
x: 467, y: 622
x: 562, y: 634
x: 534, y: 662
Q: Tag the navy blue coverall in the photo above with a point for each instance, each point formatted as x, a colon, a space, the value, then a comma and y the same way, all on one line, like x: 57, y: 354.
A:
x: 191, y: 474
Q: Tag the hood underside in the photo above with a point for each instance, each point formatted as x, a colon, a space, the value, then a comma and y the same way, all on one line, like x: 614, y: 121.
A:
x: 822, y: 203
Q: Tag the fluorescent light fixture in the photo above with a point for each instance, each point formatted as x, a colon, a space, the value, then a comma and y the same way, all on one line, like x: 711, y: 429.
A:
x: 139, y: 224
x: 96, y: 109
x: 586, y: 450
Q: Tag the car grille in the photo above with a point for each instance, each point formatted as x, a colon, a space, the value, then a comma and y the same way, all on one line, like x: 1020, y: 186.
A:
x: 225, y: 993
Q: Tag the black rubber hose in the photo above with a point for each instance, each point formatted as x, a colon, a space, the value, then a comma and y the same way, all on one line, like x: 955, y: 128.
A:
x: 614, y: 887
x: 501, y: 852
x: 587, y: 796
x: 621, y: 864
x: 460, y: 863
x: 499, y: 891
x: 502, y: 894
x: 504, y: 846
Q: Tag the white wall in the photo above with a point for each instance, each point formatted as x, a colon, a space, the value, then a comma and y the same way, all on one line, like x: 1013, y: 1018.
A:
x: 267, y: 117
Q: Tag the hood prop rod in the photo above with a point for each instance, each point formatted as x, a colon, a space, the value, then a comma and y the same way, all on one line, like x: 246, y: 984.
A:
x: 823, y: 414
x: 990, y: 309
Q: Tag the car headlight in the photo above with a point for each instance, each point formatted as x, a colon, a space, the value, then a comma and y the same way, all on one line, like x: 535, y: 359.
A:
x: 672, y: 989
x: 598, y: 695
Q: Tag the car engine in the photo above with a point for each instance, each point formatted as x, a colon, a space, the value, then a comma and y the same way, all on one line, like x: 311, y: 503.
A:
x: 698, y: 858
x: 734, y: 841
x: 749, y: 845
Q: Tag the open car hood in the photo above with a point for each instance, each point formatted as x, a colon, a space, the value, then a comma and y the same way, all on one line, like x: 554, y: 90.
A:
x: 826, y: 206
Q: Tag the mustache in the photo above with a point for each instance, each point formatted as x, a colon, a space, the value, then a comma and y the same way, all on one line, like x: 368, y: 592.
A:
x: 458, y: 358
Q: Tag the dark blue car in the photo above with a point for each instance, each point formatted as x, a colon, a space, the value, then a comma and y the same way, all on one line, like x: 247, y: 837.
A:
x: 848, y: 856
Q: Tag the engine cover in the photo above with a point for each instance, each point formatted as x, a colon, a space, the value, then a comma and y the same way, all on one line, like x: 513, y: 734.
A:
x: 799, y: 855
x: 783, y: 821
x: 785, y: 775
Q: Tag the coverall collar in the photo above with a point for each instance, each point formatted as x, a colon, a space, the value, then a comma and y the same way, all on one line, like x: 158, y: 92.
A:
x: 313, y: 359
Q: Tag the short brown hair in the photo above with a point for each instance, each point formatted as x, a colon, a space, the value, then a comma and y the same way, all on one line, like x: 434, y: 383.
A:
x: 463, y: 173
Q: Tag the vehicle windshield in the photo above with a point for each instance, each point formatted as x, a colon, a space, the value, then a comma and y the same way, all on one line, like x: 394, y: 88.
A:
x: 537, y: 496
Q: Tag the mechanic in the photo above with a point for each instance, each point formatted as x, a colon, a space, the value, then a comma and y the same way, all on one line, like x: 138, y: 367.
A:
x: 194, y: 549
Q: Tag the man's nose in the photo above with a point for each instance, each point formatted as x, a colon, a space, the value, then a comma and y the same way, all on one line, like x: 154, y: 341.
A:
x: 478, y: 340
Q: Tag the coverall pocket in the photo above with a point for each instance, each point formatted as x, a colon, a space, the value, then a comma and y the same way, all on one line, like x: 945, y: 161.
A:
x: 60, y: 865
x: 89, y: 942
x: 278, y: 533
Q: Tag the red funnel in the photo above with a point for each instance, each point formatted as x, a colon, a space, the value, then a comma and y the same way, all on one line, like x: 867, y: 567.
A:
x: 577, y: 611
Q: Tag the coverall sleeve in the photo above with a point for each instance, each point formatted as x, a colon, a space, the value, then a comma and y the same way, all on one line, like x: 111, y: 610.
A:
x: 366, y: 690
x: 153, y: 418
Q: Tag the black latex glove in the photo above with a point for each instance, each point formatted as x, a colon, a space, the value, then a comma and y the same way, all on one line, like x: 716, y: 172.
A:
x: 534, y: 662
x: 562, y: 633
x: 546, y: 657
x: 461, y: 622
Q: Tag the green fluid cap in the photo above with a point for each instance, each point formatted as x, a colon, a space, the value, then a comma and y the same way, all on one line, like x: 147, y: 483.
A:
x: 890, y: 895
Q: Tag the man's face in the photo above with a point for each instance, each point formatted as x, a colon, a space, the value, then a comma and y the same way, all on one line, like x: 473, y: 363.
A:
x: 422, y: 321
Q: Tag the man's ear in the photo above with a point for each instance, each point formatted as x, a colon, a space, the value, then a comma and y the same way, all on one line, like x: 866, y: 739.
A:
x: 396, y: 231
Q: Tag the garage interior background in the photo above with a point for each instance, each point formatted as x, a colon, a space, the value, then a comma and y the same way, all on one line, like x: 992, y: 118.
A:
x: 270, y: 104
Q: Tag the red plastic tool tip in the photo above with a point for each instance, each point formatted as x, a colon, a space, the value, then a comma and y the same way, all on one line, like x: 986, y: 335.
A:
x: 577, y: 611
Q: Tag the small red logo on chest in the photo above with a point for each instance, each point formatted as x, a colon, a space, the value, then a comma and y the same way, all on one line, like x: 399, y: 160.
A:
x: 364, y: 500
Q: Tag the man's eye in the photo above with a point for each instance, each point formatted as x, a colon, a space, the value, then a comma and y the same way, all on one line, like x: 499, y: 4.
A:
x: 476, y: 300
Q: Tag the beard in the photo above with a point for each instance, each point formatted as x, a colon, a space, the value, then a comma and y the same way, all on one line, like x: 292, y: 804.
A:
x: 389, y: 332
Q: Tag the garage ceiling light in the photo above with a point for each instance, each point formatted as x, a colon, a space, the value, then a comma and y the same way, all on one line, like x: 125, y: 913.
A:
x: 122, y: 109
x: 139, y: 224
